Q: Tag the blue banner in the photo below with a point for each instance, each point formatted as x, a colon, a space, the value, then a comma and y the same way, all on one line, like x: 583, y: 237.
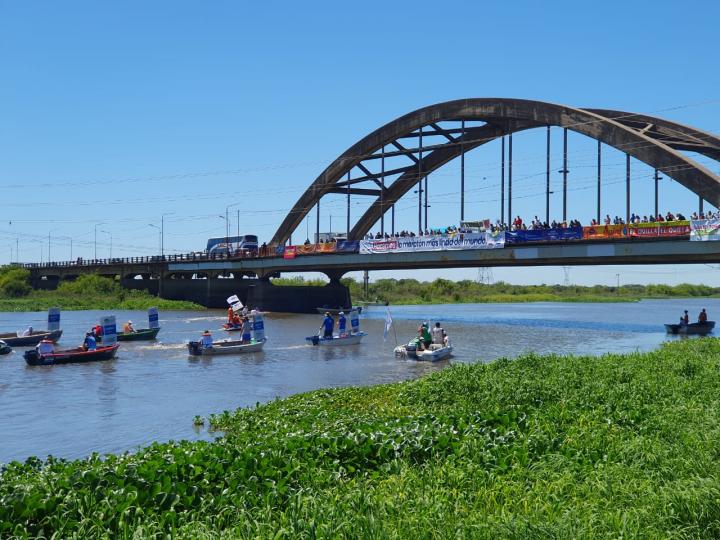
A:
x: 348, y: 246
x: 543, y: 235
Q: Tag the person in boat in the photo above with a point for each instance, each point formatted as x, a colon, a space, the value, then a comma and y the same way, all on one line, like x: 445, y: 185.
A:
x: 237, y: 321
x: 128, y: 328
x: 327, y: 326
x: 206, y: 341
x: 244, y: 311
x: 28, y: 331
x: 231, y: 314
x: 97, y: 331
x: 439, y: 336
x: 702, y: 317
x: 342, y: 324
x: 45, y: 347
x: 685, y: 319
x: 89, y: 344
x: 246, y: 330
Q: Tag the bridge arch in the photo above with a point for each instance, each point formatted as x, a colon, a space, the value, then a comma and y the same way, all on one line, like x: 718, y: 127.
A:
x: 654, y: 141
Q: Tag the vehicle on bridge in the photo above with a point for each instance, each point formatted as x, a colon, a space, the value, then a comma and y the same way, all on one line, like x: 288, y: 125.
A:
x: 246, y: 244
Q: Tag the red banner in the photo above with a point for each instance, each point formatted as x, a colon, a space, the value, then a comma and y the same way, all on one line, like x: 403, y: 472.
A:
x: 290, y: 252
x: 599, y: 232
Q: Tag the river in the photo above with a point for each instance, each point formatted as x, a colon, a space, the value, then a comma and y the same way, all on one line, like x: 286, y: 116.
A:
x: 152, y: 390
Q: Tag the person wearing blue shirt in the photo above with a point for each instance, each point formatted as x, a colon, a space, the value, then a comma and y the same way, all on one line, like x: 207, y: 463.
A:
x: 328, y: 325
x: 89, y: 344
x: 342, y: 323
x: 206, y: 341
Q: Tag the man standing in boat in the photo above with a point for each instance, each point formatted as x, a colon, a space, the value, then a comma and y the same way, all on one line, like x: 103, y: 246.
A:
x: 439, y: 337
x: 702, y: 317
x: 206, y: 341
x: 685, y: 319
x: 327, y: 326
x: 246, y: 328
x: 342, y: 324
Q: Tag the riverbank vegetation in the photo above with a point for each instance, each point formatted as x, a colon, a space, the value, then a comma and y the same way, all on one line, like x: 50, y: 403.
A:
x: 444, y: 291
x: 553, y: 447
x: 86, y: 292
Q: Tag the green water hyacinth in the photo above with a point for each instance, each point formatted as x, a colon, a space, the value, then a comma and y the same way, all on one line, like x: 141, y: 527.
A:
x: 561, y: 447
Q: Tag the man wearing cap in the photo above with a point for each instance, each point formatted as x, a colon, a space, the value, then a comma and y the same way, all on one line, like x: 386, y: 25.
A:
x: 342, y: 323
x: 328, y: 325
x: 45, y: 347
x: 206, y: 341
x: 128, y: 328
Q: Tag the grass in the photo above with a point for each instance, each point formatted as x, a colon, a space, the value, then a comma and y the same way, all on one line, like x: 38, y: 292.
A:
x: 89, y: 292
x: 539, y: 447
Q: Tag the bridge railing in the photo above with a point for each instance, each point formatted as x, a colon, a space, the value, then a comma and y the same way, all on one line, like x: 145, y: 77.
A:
x: 198, y: 256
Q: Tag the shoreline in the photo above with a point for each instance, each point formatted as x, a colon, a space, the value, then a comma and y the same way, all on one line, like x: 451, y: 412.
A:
x: 535, y: 442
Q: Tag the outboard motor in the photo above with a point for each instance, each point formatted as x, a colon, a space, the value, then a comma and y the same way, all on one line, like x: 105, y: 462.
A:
x: 194, y: 348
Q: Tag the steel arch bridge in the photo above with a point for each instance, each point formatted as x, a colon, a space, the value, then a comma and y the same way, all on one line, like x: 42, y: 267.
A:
x: 657, y: 142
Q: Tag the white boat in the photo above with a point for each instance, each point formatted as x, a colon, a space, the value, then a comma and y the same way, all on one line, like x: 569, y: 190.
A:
x: 435, y: 353
x: 345, y: 339
x: 225, y: 347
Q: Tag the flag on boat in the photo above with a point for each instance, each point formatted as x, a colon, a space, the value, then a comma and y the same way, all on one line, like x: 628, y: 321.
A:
x: 388, y: 323
x: 232, y: 299
x: 237, y: 306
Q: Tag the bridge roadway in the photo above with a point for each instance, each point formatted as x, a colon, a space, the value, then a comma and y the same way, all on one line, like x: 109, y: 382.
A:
x: 570, y: 253
x: 176, y: 273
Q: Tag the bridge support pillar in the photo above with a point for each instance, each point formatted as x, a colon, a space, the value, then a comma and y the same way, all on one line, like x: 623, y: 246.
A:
x: 297, y: 299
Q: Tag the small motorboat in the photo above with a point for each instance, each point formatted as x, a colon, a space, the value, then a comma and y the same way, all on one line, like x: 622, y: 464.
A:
x: 33, y: 358
x: 344, y: 339
x: 143, y: 334
x: 226, y: 347
x: 336, y: 311
x: 232, y: 327
x: 435, y: 353
x: 30, y: 340
x: 5, y: 348
x: 697, y: 328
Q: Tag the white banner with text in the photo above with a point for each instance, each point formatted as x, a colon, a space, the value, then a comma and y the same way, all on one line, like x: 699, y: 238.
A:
x: 408, y: 244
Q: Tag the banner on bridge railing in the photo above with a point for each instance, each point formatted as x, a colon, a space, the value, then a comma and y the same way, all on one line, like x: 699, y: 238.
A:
x: 408, y: 244
x: 704, y: 230
x: 659, y: 228
x: 544, y: 235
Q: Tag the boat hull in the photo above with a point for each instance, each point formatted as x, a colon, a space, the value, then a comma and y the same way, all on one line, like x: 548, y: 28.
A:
x: 434, y: 354
x: 144, y: 334
x: 33, y: 339
x: 336, y: 341
x: 699, y: 329
x: 70, y: 356
x: 225, y: 347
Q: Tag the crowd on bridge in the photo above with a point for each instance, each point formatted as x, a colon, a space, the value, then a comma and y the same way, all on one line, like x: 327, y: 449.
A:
x: 518, y: 224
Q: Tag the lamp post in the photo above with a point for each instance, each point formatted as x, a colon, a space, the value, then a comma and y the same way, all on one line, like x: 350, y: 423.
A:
x: 109, y: 233
x: 227, y: 248
x: 159, y: 235
x: 162, y: 233
x: 227, y: 223
x: 96, y: 226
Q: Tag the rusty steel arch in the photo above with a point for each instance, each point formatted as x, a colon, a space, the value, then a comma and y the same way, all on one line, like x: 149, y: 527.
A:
x: 654, y: 141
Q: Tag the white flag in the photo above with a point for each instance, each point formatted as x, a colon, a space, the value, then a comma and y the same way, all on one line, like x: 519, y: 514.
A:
x: 237, y: 306
x: 388, y: 323
x: 232, y: 299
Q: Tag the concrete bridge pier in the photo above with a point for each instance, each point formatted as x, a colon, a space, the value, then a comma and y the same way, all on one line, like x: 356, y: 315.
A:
x: 298, y: 298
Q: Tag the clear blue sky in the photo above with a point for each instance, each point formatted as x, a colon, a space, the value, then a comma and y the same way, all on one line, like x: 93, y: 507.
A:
x: 116, y: 113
